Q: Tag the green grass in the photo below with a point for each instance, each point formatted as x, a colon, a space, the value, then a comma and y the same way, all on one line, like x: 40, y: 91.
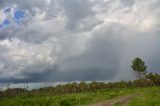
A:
x: 146, y: 97
x: 65, y: 100
x: 117, y: 104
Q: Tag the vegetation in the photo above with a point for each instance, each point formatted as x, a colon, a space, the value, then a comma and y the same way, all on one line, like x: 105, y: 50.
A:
x: 75, y: 94
x: 150, y: 79
x: 146, y: 97
x: 139, y: 66
x: 65, y: 99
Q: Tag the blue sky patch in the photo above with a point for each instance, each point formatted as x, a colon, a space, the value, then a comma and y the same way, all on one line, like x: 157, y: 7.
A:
x: 19, y: 14
x: 6, y: 22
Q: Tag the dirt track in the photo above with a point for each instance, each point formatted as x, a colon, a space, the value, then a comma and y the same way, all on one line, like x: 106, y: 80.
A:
x: 120, y: 100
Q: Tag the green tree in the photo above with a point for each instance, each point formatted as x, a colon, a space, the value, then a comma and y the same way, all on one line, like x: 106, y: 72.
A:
x: 138, y: 65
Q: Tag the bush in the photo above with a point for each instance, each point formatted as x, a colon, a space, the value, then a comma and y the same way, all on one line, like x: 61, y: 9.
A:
x: 65, y: 103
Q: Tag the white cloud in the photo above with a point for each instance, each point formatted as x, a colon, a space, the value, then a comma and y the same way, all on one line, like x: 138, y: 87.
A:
x: 2, y: 16
x: 79, y: 40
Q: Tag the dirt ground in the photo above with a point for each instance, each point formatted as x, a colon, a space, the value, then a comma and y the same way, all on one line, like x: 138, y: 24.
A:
x: 120, y: 100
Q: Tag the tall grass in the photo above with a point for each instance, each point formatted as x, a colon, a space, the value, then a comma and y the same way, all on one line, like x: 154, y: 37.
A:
x: 147, y: 97
x: 75, y: 99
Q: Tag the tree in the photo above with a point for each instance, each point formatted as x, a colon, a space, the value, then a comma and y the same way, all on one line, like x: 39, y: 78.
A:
x: 138, y: 65
x: 82, y: 86
x: 154, y: 78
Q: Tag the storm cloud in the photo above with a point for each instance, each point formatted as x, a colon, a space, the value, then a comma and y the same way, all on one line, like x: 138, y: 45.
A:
x: 72, y: 40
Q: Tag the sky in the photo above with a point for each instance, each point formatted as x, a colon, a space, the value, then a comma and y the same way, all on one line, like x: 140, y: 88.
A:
x: 74, y: 40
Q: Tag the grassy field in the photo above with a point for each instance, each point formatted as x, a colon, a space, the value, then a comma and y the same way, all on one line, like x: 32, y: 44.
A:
x: 145, y: 97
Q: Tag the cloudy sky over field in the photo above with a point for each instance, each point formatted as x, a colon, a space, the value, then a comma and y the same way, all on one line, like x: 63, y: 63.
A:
x: 68, y: 40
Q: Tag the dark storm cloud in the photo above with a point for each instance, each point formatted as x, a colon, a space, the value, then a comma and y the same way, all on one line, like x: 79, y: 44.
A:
x: 32, y: 77
x: 40, y: 72
x: 109, y: 53
x: 102, y: 58
x: 68, y: 40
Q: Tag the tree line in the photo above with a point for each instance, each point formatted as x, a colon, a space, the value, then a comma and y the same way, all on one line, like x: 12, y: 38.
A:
x: 145, y: 79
